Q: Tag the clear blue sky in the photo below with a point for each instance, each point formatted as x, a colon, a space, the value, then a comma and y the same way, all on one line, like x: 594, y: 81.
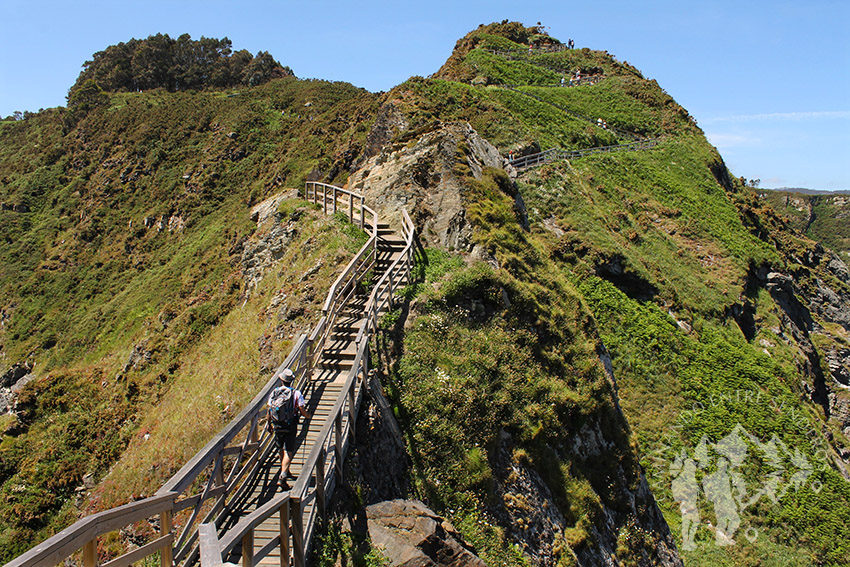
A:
x: 769, y: 82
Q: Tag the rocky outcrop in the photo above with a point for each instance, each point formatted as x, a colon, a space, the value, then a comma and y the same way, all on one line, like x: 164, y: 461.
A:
x: 411, y: 535
x: 545, y: 527
x: 426, y: 177
x: 271, y: 240
x: 429, y: 176
x: 813, y: 304
x: 11, y: 383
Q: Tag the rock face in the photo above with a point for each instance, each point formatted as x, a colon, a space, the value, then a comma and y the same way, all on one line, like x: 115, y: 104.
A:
x: 411, y: 535
x: 270, y: 242
x: 525, y: 505
x: 815, y: 315
x: 423, y: 177
x: 11, y: 383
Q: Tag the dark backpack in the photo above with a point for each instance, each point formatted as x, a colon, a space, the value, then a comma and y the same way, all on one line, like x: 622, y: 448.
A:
x: 282, y: 411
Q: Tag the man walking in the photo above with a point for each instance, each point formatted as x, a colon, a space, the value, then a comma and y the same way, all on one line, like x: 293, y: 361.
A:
x: 285, y: 405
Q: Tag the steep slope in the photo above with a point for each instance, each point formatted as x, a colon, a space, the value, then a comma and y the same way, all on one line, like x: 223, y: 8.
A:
x: 727, y: 330
x: 820, y: 216
x: 131, y: 263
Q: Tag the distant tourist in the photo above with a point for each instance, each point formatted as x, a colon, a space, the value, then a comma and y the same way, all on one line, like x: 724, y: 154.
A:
x: 562, y: 81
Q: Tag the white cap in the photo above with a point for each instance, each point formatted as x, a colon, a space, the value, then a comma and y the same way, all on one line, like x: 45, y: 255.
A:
x: 288, y: 376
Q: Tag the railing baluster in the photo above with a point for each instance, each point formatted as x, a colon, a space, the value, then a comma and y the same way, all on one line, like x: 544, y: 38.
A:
x: 297, y: 523
x: 320, y: 485
x: 284, y: 535
x: 351, y: 415
x: 90, y: 554
x: 248, y: 549
x: 166, y: 558
x: 338, y: 445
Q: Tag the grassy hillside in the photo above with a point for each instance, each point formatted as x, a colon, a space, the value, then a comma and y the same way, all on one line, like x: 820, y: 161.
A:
x: 821, y: 217
x: 122, y: 280
x: 662, y: 247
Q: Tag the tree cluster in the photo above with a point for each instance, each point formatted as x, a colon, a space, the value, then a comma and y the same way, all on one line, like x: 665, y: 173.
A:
x: 176, y: 65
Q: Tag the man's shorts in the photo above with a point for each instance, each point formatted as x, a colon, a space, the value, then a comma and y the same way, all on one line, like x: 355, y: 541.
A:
x: 286, y: 439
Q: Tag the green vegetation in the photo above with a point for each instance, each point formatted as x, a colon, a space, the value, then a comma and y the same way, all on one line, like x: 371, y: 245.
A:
x: 822, y: 217
x: 336, y: 545
x: 527, y: 368
x: 176, y: 65
x: 123, y: 231
x: 125, y: 223
x: 659, y: 245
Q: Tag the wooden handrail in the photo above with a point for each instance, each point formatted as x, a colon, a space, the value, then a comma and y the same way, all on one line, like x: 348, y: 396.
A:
x: 572, y: 82
x: 85, y: 532
x: 375, y: 303
x: 553, y: 154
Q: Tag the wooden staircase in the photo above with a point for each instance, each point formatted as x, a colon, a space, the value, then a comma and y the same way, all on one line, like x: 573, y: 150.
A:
x: 325, y: 387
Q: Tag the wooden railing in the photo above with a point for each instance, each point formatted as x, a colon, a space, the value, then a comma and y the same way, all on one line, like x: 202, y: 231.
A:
x: 553, y: 48
x: 333, y: 199
x: 553, y: 154
x: 322, y: 470
x: 384, y: 290
x: 84, y: 535
x: 214, y: 478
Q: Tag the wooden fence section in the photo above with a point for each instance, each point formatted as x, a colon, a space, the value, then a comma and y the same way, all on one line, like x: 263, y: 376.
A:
x: 553, y: 154
x: 216, y: 478
x: 85, y: 533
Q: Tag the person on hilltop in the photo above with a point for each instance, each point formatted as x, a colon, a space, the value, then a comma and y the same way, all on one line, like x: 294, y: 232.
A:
x: 286, y: 404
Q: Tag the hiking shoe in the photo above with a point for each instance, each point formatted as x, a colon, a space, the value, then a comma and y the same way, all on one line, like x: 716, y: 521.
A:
x: 290, y: 476
x: 283, y: 484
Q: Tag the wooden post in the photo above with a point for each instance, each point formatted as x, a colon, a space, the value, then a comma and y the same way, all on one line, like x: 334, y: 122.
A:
x: 351, y: 207
x: 248, y: 549
x: 338, y: 446
x: 351, y: 415
x: 166, y: 558
x: 320, y: 484
x: 324, y: 199
x: 334, y: 194
x: 297, y: 522
x: 90, y: 554
x: 284, y: 535
x: 362, y: 214
x: 219, y: 472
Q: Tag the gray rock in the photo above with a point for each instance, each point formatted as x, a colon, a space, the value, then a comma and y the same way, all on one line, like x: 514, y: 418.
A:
x: 411, y: 535
x: 424, y: 177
